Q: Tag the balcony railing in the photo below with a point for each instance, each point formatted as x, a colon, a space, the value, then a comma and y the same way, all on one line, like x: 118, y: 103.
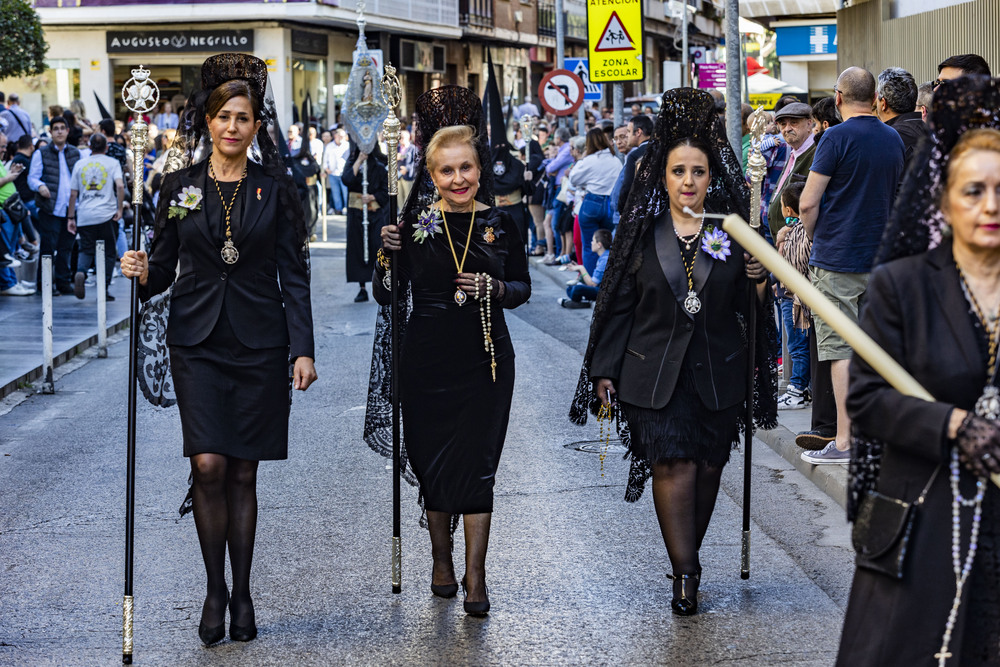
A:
x: 546, y: 19
x: 475, y: 13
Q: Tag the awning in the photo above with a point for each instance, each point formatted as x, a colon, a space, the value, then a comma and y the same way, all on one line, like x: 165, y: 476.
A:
x: 762, y: 83
x: 780, y: 8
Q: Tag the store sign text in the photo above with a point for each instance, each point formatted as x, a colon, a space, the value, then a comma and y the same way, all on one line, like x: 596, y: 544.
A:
x: 179, y: 41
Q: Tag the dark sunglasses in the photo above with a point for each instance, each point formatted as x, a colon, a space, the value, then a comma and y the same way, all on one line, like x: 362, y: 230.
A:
x: 937, y: 82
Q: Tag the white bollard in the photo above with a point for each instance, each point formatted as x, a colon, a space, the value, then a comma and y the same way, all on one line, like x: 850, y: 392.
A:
x: 323, y: 204
x: 48, y: 385
x: 102, y: 304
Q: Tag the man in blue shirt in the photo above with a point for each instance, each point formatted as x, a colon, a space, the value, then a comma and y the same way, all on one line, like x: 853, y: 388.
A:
x: 844, y: 208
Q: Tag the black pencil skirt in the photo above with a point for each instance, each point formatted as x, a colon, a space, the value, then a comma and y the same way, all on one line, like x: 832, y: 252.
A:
x: 233, y: 400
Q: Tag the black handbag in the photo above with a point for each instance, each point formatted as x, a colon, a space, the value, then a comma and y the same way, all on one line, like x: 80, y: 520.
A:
x: 882, y: 531
x: 15, y: 209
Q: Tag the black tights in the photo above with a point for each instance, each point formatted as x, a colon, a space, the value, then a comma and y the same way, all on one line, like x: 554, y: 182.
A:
x: 684, y: 494
x: 477, y: 538
x: 224, y: 492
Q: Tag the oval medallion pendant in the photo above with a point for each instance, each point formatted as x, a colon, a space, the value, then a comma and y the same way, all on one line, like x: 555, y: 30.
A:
x: 387, y: 280
x: 692, y: 303
x: 461, y: 297
x: 229, y: 253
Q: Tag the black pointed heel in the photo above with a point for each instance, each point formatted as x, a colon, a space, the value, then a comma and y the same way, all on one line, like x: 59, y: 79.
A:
x: 444, y: 590
x: 475, y: 608
x: 211, y: 636
x: 685, y: 601
x: 214, y: 635
x: 242, y: 633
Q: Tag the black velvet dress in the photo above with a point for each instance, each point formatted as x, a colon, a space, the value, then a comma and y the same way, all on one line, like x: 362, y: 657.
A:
x: 454, y: 415
x: 233, y: 400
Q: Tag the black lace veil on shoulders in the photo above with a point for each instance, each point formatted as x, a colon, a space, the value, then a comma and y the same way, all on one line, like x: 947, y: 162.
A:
x: 441, y: 107
x: 916, y: 223
x: 685, y: 112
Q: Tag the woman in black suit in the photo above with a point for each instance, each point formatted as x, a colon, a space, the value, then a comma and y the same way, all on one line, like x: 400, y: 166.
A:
x: 938, y: 314
x: 239, y: 311
x: 669, y: 343
x: 360, y: 270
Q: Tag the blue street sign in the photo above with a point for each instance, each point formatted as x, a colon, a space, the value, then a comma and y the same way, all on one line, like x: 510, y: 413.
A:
x: 579, y: 67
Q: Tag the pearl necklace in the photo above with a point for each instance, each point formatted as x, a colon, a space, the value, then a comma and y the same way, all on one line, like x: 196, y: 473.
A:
x: 691, y: 238
x: 486, y: 317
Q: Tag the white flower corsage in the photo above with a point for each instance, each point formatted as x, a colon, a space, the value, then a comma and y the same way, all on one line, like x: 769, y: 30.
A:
x: 716, y: 243
x: 428, y: 224
x: 189, y: 199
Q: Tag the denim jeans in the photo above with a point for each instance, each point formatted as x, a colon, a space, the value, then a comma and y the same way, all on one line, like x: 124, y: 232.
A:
x: 798, y: 347
x: 338, y: 192
x: 8, y: 244
x: 579, y: 292
x: 595, y: 213
x: 556, y: 211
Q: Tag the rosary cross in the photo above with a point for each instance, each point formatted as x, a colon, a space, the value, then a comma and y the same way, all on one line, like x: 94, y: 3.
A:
x: 942, y: 656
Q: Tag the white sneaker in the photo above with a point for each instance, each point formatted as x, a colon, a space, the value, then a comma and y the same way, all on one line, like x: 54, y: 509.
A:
x: 794, y: 399
x: 18, y: 290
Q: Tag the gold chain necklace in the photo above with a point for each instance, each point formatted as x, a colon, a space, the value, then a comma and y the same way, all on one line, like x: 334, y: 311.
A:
x: 460, y: 296
x: 229, y: 252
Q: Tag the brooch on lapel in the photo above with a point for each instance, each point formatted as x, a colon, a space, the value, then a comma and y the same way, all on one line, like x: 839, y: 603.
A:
x: 189, y: 199
x: 490, y: 232
x: 258, y: 194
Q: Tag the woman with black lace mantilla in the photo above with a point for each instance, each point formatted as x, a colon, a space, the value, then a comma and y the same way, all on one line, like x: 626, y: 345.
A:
x: 463, y: 262
x: 926, y: 590
x: 668, y: 343
x: 239, y: 312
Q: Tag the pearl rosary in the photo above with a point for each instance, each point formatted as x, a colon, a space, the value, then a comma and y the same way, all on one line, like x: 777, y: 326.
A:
x: 486, y: 317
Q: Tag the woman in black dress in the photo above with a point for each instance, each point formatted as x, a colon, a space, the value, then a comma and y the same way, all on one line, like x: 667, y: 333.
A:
x: 464, y: 262
x: 239, y: 312
x: 932, y: 304
x: 359, y: 270
x: 668, y: 343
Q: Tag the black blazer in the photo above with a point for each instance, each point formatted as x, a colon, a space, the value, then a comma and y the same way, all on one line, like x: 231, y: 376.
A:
x: 649, y: 332
x: 915, y: 310
x: 631, y: 165
x: 265, y: 293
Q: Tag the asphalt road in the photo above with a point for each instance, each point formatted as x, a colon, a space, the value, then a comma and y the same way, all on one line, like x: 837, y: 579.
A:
x: 576, y: 574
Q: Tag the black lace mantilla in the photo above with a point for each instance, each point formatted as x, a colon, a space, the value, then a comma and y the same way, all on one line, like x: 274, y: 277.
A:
x: 686, y: 112
x: 916, y: 223
x: 441, y: 107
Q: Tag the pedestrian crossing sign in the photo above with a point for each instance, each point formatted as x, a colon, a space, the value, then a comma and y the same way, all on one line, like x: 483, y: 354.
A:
x: 614, y: 40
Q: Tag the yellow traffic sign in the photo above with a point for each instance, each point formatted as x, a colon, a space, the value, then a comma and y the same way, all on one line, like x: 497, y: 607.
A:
x: 614, y: 40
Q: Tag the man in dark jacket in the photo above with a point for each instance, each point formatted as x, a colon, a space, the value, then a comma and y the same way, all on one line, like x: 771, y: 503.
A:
x: 49, y: 177
x: 896, y: 106
x: 640, y: 129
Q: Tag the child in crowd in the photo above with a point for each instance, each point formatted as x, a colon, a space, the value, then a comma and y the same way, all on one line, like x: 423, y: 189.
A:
x: 794, y: 246
x: 583, y: 292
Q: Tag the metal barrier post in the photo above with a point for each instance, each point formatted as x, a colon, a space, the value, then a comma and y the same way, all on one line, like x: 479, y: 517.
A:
x: 48, y: 385
x: 102, y: 304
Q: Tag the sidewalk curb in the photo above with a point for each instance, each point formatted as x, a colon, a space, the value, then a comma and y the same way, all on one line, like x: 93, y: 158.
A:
x: 830, y: 479
x: 60, y: 358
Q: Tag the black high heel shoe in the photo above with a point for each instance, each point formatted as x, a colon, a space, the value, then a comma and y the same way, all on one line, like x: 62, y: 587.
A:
x: 444, y: 590
x: 214, y: 635
x: 685, y: 601
x: 242, y: 633
x: 476, y: 608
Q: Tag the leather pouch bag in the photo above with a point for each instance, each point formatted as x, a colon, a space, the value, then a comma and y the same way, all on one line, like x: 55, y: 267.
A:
x: 16, y: 209
x: 883, y: 529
